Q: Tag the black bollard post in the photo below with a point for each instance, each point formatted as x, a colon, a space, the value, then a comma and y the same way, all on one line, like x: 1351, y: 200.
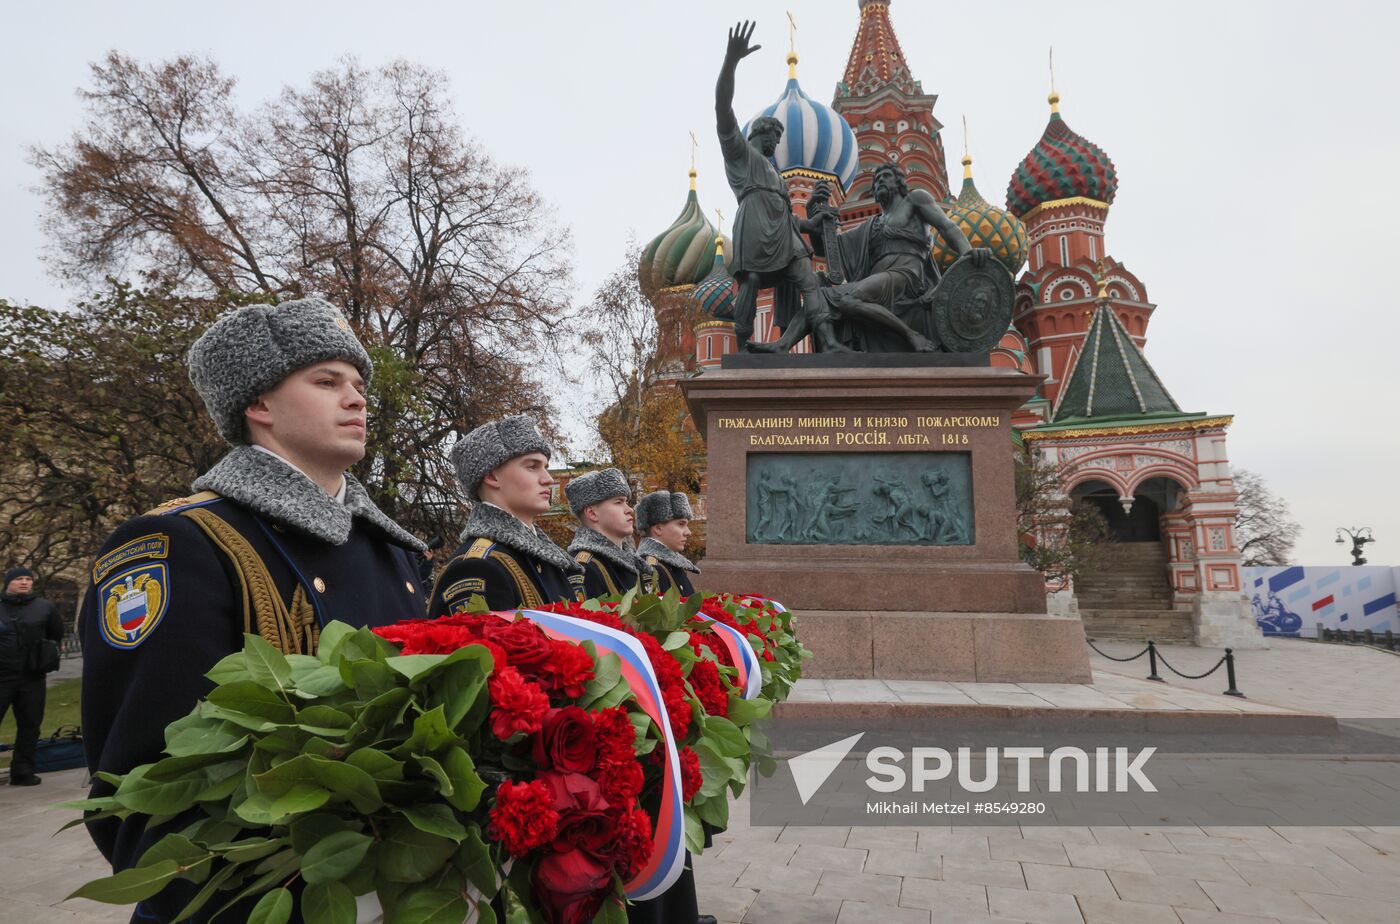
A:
x: 1230, y: 674
x: 1152, y: 662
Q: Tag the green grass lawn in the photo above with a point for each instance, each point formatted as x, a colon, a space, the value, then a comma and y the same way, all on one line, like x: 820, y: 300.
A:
x: 61, y: 707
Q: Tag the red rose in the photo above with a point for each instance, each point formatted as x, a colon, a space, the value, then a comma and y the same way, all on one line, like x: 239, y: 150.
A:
x: 525, y: 644
x: 691, y: 777
x: 568, y: 670
x: 591, y: 831
x: 633, y: 844
x: 571, y: 886
x: 517, y: 705
x: 574, y: 792
x: 583, y: 812
x: 523, y: 817
x: 566, y: 741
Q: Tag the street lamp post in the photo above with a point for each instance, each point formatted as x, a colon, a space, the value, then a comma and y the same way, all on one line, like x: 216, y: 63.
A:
x: 1359, y: 538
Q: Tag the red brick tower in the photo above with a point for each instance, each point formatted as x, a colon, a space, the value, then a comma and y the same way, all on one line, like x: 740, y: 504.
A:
x: 1062, y: 191
x: 890, y: 113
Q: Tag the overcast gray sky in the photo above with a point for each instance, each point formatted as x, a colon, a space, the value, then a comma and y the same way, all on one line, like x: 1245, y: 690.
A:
x: 1257, y: 146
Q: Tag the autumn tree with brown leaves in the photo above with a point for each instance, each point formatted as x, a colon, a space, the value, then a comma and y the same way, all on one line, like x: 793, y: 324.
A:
x: 644, y: 426
x: 1061, y: 537
x: 99, y: 418
x: 357, y: 187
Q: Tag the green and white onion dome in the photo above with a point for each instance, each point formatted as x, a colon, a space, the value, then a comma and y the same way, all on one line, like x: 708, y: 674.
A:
x: 684, y: 253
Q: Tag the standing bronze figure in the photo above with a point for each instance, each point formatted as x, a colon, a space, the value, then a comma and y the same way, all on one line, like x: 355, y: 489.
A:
x: 769, y: 250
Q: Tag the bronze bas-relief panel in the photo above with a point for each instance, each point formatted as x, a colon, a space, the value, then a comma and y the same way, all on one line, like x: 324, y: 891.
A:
x: 859, y: 498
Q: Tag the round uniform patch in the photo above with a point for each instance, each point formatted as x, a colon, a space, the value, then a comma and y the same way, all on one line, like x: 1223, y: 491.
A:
x: 133, y: 602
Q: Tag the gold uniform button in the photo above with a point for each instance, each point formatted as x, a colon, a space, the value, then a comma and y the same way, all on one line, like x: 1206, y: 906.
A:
x: 319, y: 584
x: 408, y: 585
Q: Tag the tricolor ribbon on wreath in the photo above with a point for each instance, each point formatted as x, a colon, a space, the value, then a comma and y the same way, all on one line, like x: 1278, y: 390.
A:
x: 742, y: 654
x: 668, y: 832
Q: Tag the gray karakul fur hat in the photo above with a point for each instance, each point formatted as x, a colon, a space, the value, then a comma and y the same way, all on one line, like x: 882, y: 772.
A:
x: 249, y: 350
x: 492, y: 445
x: 594, y: 488
x: 662, y: 507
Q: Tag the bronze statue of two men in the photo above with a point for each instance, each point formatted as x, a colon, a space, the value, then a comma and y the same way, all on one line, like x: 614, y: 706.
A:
x: 885, y: 303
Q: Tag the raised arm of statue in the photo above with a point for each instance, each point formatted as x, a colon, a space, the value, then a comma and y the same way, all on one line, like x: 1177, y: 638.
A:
x: 927, y: 208
x: 737, y: 49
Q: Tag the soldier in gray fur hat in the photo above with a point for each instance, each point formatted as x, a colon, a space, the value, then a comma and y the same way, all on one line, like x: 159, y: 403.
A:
x: 601, y: 502
x: 663, y: 519
x: 505, y: 558
x: 279, y: 540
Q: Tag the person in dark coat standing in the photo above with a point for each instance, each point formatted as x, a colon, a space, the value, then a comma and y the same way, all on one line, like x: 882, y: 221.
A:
x: 601, y: 501
x: 503, y: 467
x: 26, y: 619
x: 663, y: 519
x: 281, y: 540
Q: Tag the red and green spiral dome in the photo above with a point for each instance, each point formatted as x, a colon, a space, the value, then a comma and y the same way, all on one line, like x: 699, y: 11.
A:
x: 1062, y: 165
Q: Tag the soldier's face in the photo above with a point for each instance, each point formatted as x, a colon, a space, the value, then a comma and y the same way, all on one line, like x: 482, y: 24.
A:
x: 673, y: 534
x: 613, y: 518
x: 315, y: 417
x: 521, y: 486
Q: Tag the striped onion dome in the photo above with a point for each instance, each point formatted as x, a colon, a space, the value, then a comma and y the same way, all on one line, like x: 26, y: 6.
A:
x: 1062, y: 165
x: 714, y: 295
x: 815, y: 137
x: 683, y: 253
x: 985, y: 226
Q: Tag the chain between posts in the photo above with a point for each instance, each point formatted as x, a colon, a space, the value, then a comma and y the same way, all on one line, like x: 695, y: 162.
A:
x: 1153, y: 655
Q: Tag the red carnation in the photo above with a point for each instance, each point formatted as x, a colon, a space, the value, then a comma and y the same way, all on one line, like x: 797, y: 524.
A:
x: 691, y: 777
x: 709, y: 688
x: 622, y: 781
x: 677, y: 710
x: 633, y: 844
x: 568, y: 669
x: 566, y: 741
x: 615, y: 735
x: 523, y: 817
x: 517, y: 705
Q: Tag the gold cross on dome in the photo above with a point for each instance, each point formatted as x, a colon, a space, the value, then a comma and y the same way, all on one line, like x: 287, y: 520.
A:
x: 693, y: 145
x: 792, y: 32
x: 719, y: 220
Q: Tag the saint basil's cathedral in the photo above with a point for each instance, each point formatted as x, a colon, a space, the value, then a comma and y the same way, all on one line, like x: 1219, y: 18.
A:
x: 1160, y: 475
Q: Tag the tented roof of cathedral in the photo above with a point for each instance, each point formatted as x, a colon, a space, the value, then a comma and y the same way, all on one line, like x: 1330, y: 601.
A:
x: 683, y: 253
x: 1062, y: 165
x: 814, y: 137
x: 1112, y: 378
x: 876, y: 59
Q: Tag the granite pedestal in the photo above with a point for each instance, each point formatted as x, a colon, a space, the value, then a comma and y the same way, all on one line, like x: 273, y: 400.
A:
x: 956, y: 603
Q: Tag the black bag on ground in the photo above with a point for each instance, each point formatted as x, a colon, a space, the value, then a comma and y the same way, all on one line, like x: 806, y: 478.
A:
x: 61, y: 751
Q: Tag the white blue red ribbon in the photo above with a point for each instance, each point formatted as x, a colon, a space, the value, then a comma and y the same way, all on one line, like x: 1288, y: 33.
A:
x: 668, y: 831
x: 742, y: 654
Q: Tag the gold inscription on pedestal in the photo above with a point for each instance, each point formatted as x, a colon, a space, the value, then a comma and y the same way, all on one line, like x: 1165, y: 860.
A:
x: 932, y: 430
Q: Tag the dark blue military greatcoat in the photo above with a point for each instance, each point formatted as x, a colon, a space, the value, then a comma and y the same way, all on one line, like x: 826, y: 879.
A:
x: 165, y: 603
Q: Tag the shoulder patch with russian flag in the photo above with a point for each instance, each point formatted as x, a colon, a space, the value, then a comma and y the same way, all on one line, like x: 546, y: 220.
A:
x: 132, y: 603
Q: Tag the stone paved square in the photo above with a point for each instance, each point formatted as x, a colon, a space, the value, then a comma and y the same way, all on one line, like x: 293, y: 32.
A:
x: 937, y: 874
